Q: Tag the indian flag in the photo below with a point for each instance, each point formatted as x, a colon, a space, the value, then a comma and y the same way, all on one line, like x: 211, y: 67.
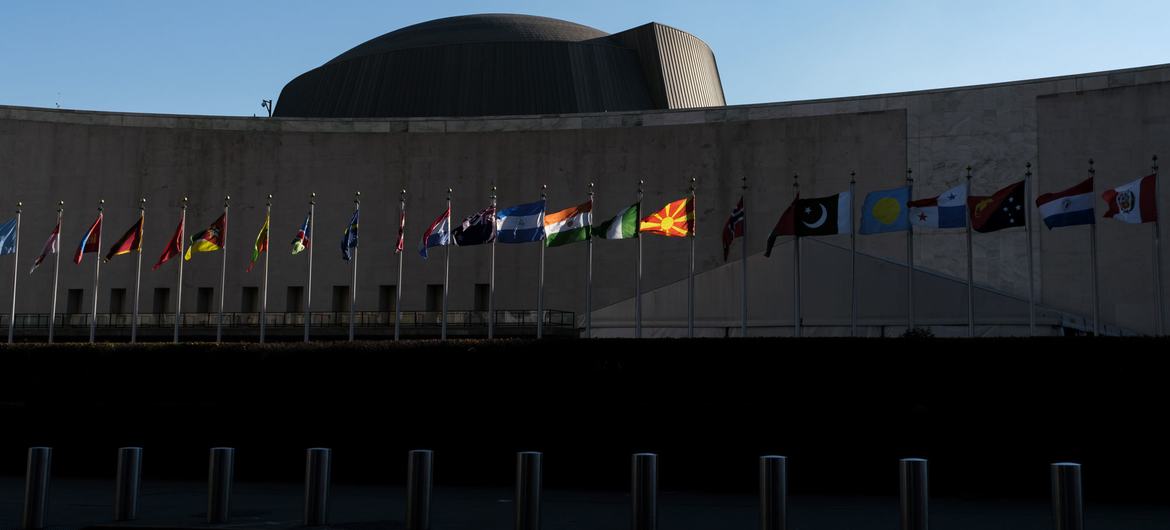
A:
x: 622, y: 226
x: 569, y: 225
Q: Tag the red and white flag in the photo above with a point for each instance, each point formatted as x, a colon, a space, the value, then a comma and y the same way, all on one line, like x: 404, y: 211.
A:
x: 1135, y: 202
x: 733, y: 228
x: 401, y: 233
x: 52, y: 246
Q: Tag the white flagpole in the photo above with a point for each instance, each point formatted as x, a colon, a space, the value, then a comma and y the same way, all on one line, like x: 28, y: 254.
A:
x: 222, y: 269
x: 15, y: 267
x: 852, y: 257
x: 540, y: 282
x: 1028, y: 231
x: 446, y: 264
x: 691, y: 273
x: 138, y: 273
x: 910, y: 259
x: 309, y: 278
x: 492, y: 274
x: 589, y: 270
x: 398, y: 286
x: 353, y: 271
x: 638, y: 267
x: 971, y: 264
x: 179, y: 290
x: 743, y: 305
x: 1159, y: 315
x: 56, y: 271
x: 264, y: 282
x: 796, y: 264
x: 97, y: 269
x: 1093, y: 258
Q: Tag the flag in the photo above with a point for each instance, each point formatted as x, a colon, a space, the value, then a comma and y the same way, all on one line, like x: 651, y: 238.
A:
x: 624, y: 225
x: 261, y: 244
x: 523, y: 223
x: 131, y: 241
x: 673, y: 220
x: 1070, y: 207
x: 1003, y: 210
x: 569, y: 225
x: 89, y: 242
x: 401, y: 232
x: 947, y: 210
x: 301, y: 241
x: 209, y: 240
x: 733, y: 228
x: 476, y: 229
x: 8, y: 237
x: 1136, y: 202
x: 438, y: 235
x: 786, y: 226
x: 822, y: 216
x: 349, y: 238
x: 174, y: 247
x: 885, y: 211
x: 52, y: 246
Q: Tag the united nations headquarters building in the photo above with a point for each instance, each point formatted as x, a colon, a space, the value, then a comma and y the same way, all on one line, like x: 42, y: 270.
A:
x: 506, y: 108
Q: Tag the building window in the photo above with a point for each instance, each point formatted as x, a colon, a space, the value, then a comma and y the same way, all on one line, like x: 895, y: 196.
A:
x: 387, y: 298
x: 73, y: 301
x: 435, y: 297
x: 482, y: 293
x: 203, y: 299
x: 340, y: 298
x: 117, y: 301
x: 294, y: 301
x: 162, y: 300
x: 250, y: 300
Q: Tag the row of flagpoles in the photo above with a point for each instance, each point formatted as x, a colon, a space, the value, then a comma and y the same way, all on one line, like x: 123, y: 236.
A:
x: 888, y: 210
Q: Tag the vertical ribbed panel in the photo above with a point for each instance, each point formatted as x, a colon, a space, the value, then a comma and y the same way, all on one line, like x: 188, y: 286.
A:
x: 690, y: 75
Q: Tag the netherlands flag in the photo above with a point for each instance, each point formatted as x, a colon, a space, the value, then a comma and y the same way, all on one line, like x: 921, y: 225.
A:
x: 438, y: 235
x: 1070, y: 207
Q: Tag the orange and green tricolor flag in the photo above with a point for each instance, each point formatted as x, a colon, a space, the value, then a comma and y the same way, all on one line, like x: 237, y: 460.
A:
x: 675, y: 220
x: 261, y: 244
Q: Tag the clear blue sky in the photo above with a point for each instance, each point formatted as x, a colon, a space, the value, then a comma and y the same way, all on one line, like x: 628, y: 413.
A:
x: 223, y: 57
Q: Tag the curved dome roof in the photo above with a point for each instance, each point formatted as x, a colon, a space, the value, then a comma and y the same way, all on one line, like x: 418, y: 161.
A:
x: 469, y: 29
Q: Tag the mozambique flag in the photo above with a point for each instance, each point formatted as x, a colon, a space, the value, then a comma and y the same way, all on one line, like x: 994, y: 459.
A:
x: 131, y: 241
x: 210, y: 240
x: 674, y: 220
x: 261, y: 244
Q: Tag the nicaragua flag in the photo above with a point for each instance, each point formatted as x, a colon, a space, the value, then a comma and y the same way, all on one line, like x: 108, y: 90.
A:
x: 948, y: 210
x: 885, y: 211
x: 1070, y: 207
x: 523, y: 223
x: 438, y: 235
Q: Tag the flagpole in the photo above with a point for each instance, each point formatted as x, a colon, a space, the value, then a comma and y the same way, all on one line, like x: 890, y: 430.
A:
x: 309, y: 279
x: 56, y: 271
x: 638, y: 267
x: 1159, y: 310
x: 910, y: 258
x: 264, y: 282
x: 353, y: 273
x: 540, y: 283
x: 179, y: 290
x: 589, y: 270
x: 138, y: 271
x: 1093, y: 260
x: 492, y: 274
x: 852, y: 258
x: 971, y: 265
x: 97, y: 269
x: 222, y: 269
x: 1028, y: 231
x: 446, y: 265
x: 15, y: 267
x: 398, y: 286
x: 796, y: 265
x: 691, y: 275
x: 743, y: 309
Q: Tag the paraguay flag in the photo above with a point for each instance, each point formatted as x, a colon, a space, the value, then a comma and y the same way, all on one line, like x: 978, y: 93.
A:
x: 91, y: 240
x: 1070, y: 207
x: 438, y: 235
x: 523, y: 223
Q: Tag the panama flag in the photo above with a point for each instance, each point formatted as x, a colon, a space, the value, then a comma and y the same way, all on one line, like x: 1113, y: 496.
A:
x: 89, y: 243
x: 569, y: 225
x: 948, y: 210
x: 438, y: 235
x: 523, y: 223
x: 1136, y: 202
x: 1070, y: 207
x: 52, y: 246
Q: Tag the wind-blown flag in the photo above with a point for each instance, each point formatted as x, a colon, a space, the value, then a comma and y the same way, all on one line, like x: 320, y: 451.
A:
x: 131, y: 241
x: 817, y: 216
x: 438, y: 235
x: 569, y: 225
x: 523, y: 223
x: 733, y: 228
x: 174, y: 247
x: 52, y: 246
x: 1070, y: 207
x: 210, y: 240
x: 786, y: 226
x: 89, y: 242
x: 301, y: 241
x: 8, y: 237
x: 1005, y: 209
x: 947, y: 210
x: 624, y: 225
x: 261, y: 244
x: 476, y: 229
x: 885, y: 211
x: 1135, y: 202
x: 673, y: 220
x: 401, y: 233
x: 349, y: 238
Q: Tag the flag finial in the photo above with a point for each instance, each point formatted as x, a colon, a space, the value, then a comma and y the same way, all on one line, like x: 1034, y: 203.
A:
x: 692, y: 184
x: 852, y: 177
x: 357, y: 197
x: 60, y: 206
x: 543, y: 191
x: 142, y: 204
x: 1092, y: 171
x: 402, y: 195
x: 590, y: 189
x: 1028, y: 169
x: 796, y: 181
x: 101, y: 204
x: 744, y: 182
x: 968, y: 172
x: 19, y: 205
x: 910, y: 175
x: 1155, y: 163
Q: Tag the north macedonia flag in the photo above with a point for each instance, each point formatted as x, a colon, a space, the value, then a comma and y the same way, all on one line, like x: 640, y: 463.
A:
x: 672, y: 221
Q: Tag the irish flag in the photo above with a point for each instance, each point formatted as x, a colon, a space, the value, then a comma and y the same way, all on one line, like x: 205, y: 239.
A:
x: 569, y: 225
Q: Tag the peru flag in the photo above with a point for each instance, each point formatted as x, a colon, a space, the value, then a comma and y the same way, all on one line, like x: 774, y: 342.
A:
x: 1136, y: 202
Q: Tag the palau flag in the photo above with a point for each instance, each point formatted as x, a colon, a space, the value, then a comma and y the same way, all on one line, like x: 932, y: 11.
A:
x: 885, y: 211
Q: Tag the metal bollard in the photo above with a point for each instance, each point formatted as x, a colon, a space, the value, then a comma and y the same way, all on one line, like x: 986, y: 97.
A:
x: 36, y: 487
x: 1067, y: 510
x: 318, y: 464
x: 528, y: 477
x: 219, y: 484
x: 914, y: 494
x: 418, y: 490
x: 773, y: 493
x: 126, y: 483
x: 644, y: 492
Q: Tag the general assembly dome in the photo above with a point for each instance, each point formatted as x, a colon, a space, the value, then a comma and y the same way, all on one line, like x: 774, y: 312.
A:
x: 503, y: 64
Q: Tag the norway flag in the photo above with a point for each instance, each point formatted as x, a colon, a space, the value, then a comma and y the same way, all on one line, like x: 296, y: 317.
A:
x: 438, y: 235
x: 1070, y: 207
